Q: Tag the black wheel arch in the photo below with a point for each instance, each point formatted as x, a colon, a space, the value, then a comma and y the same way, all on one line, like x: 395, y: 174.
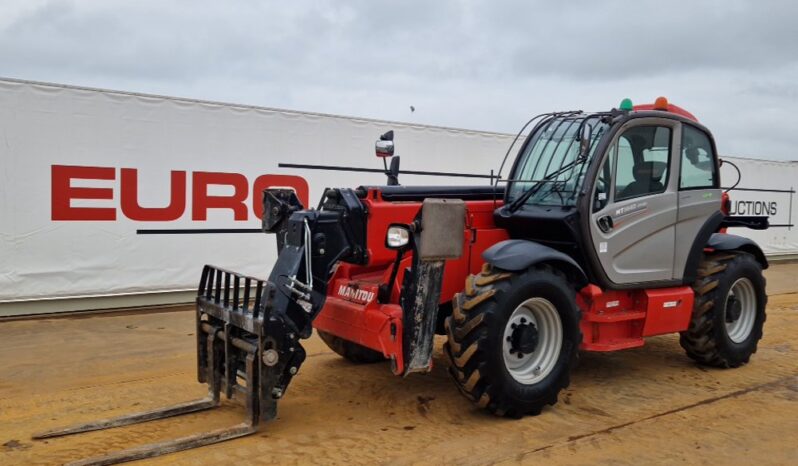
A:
x: 700, y: 241
x: 708, y: 237
x: 729, y: 242
x: 516, y: 255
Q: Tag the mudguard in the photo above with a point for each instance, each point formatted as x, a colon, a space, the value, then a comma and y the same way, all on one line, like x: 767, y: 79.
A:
x: 518, y: 254
x: 727, y: 242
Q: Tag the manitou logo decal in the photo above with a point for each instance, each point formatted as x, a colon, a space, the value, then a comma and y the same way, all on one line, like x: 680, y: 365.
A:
x: 355, y: 294
x: 243, y: 202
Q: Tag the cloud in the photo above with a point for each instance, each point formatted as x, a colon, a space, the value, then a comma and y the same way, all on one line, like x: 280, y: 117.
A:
x: 475, y: 64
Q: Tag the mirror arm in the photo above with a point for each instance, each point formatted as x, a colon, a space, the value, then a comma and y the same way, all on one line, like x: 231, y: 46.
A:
x: 393, y: 172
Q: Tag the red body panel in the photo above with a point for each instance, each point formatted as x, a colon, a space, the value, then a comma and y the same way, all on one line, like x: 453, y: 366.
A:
x: 671, y: 108
x: 611, y: 320
x: 357, y: 316
x: 614, y: 320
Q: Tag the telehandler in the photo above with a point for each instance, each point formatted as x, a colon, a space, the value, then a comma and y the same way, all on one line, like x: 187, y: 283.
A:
x: 610, y: 228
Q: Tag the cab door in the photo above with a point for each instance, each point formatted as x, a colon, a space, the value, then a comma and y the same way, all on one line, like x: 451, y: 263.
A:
x: 699, y: 195
x: 635, y: 203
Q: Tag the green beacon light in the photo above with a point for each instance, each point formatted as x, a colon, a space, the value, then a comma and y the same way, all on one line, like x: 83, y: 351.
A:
x: 626, y: 105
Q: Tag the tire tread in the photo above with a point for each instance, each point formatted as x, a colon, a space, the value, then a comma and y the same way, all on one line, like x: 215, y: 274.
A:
x: 698, y: 340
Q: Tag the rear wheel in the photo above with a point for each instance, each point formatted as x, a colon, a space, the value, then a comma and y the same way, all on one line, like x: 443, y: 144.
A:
x: 513, y: 338
x: 729, y: 310
x: 350, y: 350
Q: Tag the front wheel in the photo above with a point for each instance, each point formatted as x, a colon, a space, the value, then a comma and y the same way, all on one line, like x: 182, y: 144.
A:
x: 513, y: 338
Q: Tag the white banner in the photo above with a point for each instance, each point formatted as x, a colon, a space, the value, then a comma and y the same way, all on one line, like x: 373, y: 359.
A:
x: 87, y: 175
x: 108, y: 193
x: 766, y: 188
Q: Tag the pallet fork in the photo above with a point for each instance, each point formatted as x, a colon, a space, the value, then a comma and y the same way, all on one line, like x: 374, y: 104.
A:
x: 248, y: 329
x: 236, y: 353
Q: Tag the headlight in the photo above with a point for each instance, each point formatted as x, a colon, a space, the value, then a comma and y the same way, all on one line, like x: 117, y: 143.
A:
x: 398, y: 236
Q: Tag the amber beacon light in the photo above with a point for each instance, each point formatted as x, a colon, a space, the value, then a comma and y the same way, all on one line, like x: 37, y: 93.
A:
x: 661, y: 103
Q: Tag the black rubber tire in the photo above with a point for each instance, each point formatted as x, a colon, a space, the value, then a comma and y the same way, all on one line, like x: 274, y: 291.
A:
x: 351, y: 351
x: 475, y: 332
x: 706, y: 340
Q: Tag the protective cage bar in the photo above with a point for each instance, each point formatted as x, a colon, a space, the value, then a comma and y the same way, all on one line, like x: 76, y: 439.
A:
x: 230, y: 343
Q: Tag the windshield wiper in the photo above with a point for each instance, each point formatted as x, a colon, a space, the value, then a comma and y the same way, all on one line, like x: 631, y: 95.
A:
x: 517, y: 203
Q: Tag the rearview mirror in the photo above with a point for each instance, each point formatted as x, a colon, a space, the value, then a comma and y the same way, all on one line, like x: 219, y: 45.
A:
x: 384, y: 148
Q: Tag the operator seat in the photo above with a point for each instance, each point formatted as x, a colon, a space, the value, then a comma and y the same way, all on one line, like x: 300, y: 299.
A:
x: 647, y: 177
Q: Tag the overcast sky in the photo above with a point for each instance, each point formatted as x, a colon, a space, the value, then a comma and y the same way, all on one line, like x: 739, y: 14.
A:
x: 486, y: 65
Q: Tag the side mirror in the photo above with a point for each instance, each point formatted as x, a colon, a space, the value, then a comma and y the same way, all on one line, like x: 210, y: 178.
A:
x: 384, y: 147
x: 585, y: 138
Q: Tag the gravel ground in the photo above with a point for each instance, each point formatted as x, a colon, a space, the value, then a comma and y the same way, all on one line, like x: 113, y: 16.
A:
x: 645, y: 405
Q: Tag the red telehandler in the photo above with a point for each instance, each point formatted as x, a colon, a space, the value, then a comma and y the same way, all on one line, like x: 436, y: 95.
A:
x: 610, y: 228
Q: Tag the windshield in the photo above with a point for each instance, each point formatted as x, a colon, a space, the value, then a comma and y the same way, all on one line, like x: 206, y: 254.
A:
x: 553, y: 148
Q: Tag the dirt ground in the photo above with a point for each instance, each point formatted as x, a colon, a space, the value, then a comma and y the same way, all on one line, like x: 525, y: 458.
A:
x: 633, y: 407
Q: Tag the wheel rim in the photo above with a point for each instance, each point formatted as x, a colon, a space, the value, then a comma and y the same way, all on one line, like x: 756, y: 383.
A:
x: 534, y: 366
x: 740, y: 321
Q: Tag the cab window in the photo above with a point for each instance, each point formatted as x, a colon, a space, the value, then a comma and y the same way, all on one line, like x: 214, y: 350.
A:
x: 698, y: 170
x: 643, y: 159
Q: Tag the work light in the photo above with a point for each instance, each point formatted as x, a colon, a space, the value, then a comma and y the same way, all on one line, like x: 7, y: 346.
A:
x: 398, y: 236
